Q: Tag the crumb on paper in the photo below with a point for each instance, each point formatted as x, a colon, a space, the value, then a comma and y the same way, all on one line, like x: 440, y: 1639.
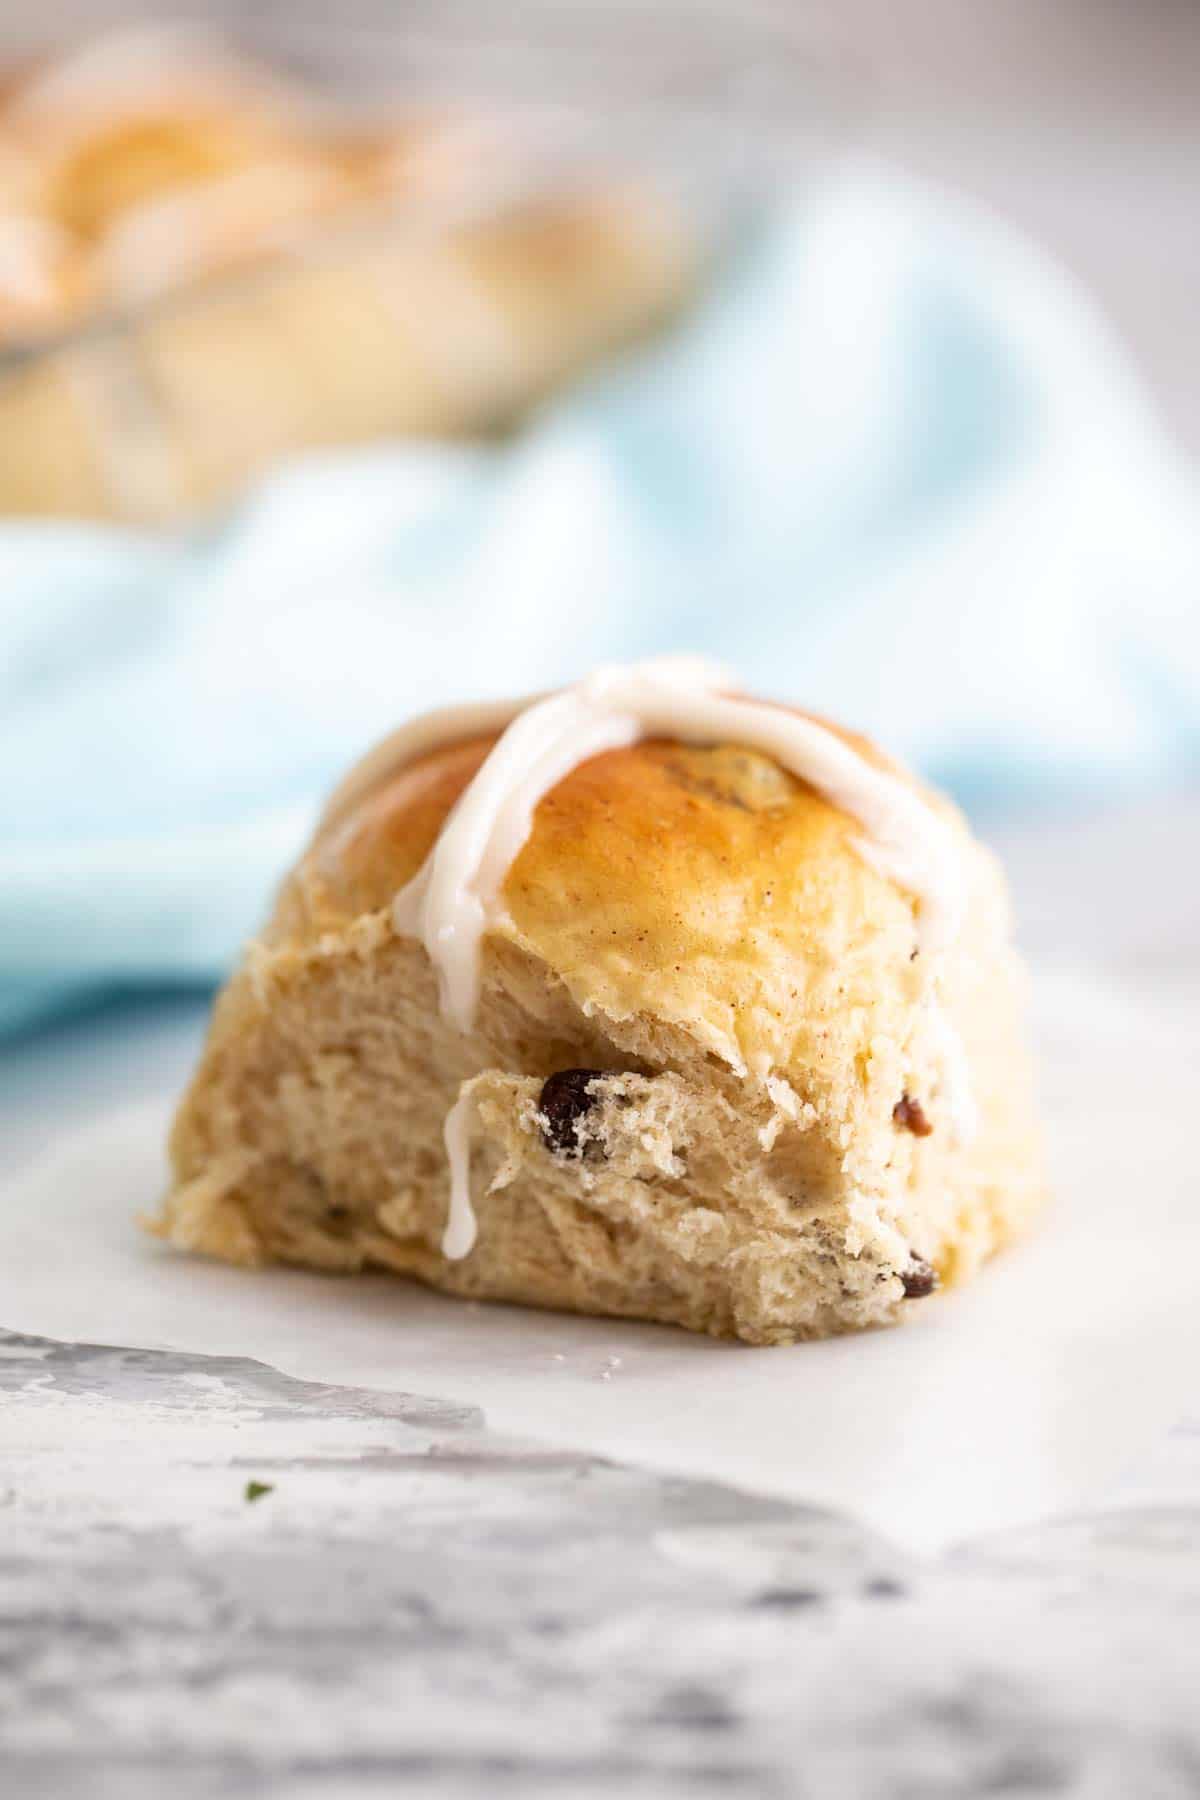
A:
x: 255, y: 1490
x: 611, y: 1365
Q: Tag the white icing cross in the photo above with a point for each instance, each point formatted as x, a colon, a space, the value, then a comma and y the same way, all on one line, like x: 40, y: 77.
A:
x: 455, y: 898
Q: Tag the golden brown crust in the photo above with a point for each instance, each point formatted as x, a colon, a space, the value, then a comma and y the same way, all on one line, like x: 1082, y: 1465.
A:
x: 95, y: 182
x: 655, y: 806
x: 706, y: 886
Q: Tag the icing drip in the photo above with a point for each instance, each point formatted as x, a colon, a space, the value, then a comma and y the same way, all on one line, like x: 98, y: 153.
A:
x: 458, y: 1239
x: 455, y: 898
x: 253, y: 210
x: 962, y: 1113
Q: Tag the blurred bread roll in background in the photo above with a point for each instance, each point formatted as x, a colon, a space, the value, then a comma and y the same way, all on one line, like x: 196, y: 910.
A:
x: 203, y: 269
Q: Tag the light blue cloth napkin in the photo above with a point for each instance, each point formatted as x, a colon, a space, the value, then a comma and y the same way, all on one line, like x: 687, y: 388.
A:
x: 891, y: 466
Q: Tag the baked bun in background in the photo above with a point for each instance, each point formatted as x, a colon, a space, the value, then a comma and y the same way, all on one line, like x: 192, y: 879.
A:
x: 202, y: 271
x: 706, y: 1069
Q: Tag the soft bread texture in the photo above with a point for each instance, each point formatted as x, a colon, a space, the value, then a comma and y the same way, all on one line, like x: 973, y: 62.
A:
x: 695, y: 925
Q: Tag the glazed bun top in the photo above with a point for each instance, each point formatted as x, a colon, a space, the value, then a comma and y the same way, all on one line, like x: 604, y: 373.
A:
x: 702, y: 885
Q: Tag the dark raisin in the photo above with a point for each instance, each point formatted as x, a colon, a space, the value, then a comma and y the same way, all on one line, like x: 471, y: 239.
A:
x: 919, y: 1279
x: 785, y: 1599
x: 564, y: 1101
x: 910, y: 1115
x: 884, y: 1587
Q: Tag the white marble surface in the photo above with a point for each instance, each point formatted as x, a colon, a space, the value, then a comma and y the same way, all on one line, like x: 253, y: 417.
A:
x: 421, y: 1606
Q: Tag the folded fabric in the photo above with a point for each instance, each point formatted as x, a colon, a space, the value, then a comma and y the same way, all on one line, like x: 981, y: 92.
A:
x: 891, y: 466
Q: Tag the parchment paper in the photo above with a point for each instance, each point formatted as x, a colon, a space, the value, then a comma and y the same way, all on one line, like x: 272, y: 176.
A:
x: 1024, y: 1395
